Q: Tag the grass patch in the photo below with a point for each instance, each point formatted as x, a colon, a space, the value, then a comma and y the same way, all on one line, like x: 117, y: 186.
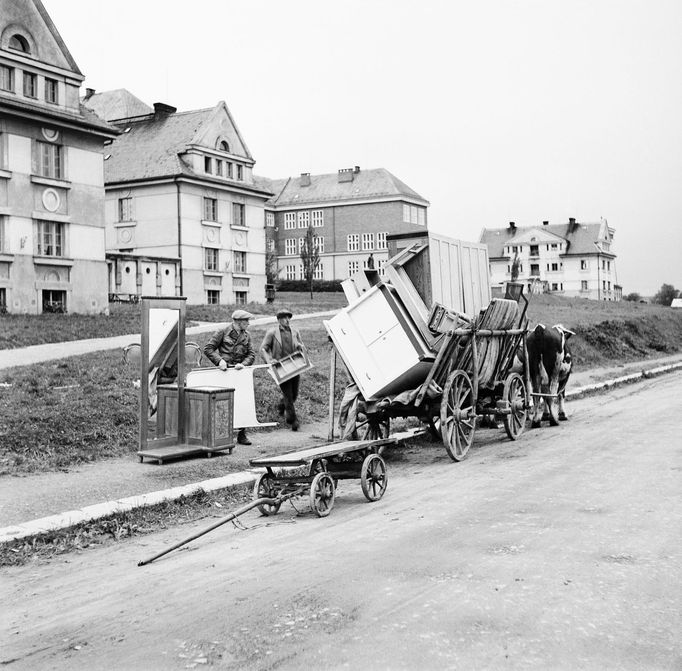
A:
x: 122, y: 526
x: 123, y: 319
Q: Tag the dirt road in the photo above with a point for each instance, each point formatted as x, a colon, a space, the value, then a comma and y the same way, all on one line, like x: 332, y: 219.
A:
x: 560, y: 551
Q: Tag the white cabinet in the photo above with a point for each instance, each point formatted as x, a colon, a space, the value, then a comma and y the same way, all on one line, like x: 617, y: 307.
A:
x: 382, y: 349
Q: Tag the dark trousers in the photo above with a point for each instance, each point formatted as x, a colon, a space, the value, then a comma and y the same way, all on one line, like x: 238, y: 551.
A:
x: 289, y: 391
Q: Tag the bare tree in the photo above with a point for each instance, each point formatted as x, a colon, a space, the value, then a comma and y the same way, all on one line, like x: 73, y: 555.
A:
x: 310, y: 255
x: 271, y: 269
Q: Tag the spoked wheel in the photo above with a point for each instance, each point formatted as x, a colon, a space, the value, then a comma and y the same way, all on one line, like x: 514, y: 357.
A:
x: 375, y: 429
x: 322, y: 493
x: 373, y: 477
x: 514, y: 394
x: 434, y: 427
x: 264, y: 488
x: 458, y: 415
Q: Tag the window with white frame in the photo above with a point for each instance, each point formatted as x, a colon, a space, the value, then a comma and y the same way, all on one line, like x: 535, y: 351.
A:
x: 353, y: 267
x: 353, y: 242
x: 271, y: 245
x: 238, y: 214
x: 270, y: 219
x: 51, y: 238
x: 211, y: 209
x: 381, y: 240
x: 6, y: 78
x: 301, y: 241
x: 219, y: 168
x: 228, y: 172
x: 51, y: 90
x: 211, y: 259
x: 382, y: 266
x: 240, y: 297
x: 289, y: 220
x: 290, y: 272
x: 318, y: 241
x: 213, y: 297
x: 290, y: 246
x: 413, y: 214
x: 319, y: 272
x: 318, y: 218
x: 239, y: 262
x: 240, y: 172
x: 49, y: 160
x: 125, y: 209
x: 301, y: 272
x: 303, y: 219
x: 583, y: 264
x: 367, y: 241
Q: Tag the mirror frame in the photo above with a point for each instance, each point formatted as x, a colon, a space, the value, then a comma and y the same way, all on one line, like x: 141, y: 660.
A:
x: 149, y: 303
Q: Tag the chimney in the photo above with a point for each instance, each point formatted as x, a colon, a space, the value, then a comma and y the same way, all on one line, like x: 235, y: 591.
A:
x: 571, y: 221
x: 162, y: 110
x: 88, y: 94
x: 305, y: 179
x: 345, y: 175
x: 545, y: 223
x: 356, y: 169
x: 512, y: 225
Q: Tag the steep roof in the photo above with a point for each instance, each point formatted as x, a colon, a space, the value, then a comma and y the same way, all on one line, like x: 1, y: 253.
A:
x: 580, y: 238
x: 366, y: 185
x: 116, y: 104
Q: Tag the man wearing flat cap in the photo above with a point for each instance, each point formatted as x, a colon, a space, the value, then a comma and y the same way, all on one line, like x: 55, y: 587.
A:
x: 231, y: 348
x: 281, y: 341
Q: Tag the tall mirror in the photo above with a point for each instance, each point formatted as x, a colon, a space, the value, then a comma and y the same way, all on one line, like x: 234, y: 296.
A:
x: 162, y: 363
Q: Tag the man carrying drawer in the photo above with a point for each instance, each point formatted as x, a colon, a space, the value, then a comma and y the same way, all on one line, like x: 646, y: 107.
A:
x: 281, y: 341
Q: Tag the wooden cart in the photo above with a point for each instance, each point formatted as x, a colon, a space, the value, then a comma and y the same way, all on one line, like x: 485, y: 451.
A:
x: 472, y: 377
x: 316, y: 471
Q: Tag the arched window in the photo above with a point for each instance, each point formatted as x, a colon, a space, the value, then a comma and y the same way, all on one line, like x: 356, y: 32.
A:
x: 19, y: 43
x: 223, y: 146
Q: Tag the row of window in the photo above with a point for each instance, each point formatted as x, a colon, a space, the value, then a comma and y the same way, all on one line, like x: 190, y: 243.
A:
x: 291, y: 248
x: 353, y: 241
x: 212, y: 260
x: 302, y: 219
x: 534, y: 249
x: 210, y: 213
x: 50, y: 238
x: 294, y: 272
x: 214, y: 166
x: 29, y: 84
x: 213, y: 297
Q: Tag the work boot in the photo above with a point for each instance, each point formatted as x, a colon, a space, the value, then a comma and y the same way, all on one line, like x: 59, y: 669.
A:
x: 242, y: 438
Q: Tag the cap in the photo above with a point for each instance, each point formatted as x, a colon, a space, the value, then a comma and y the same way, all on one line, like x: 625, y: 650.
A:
x: 241, y: 314
x: 285, y: 312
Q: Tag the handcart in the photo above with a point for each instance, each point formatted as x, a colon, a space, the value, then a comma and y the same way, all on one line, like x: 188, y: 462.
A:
x: 316, y: 471
x: 476, y: 375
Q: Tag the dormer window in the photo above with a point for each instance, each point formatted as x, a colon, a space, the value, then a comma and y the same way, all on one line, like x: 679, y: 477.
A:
x: 223, y: 146
x: 20, y: 43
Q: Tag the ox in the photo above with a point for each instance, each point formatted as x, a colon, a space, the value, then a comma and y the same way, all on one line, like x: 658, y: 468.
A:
x: 550, y: 363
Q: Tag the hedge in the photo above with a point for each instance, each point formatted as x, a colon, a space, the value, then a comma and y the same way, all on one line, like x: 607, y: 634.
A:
x: 302, y: 285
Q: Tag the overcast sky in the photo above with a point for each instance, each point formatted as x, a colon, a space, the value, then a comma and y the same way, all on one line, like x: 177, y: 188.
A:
x: 493, y: 110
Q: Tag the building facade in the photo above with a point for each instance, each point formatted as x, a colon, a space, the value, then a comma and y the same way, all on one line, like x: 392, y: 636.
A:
x: 351, y: 211
x: 52, y: 236
x: 572, y: 259
x: 184, y: 214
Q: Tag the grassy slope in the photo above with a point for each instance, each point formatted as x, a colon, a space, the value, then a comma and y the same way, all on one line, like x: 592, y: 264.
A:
x: 85, y: 408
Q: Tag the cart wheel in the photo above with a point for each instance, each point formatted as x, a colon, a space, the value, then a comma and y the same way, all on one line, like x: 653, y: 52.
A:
x: 265, y: 488
x: 376, y: 429
x: 458, y: 415
x: 322, y: 494
x: 515, y: 395
x: 373, y: 477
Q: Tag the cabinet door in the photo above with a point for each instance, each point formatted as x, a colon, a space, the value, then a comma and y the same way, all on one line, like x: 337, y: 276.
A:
x: 372, y: 316
x: 393, y: 354
x: 354, y: 353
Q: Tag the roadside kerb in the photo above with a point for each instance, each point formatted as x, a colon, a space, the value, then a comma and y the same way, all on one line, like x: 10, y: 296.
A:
x: 100, y: 510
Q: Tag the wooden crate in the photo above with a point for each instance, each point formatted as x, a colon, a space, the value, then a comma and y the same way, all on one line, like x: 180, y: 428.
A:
x: 210, y: 418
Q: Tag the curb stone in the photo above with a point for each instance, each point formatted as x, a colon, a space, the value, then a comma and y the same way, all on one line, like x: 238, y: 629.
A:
x: 97, y: 511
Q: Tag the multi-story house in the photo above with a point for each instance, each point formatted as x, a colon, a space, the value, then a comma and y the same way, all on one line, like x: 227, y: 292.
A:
x: 184, y: 215
x: 572, y: 259
x: 51, y: 186
x: 352, y: 212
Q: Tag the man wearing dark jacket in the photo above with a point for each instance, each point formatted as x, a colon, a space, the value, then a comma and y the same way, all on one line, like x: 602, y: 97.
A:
x: 231, y: 347
x: 281, y: 341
